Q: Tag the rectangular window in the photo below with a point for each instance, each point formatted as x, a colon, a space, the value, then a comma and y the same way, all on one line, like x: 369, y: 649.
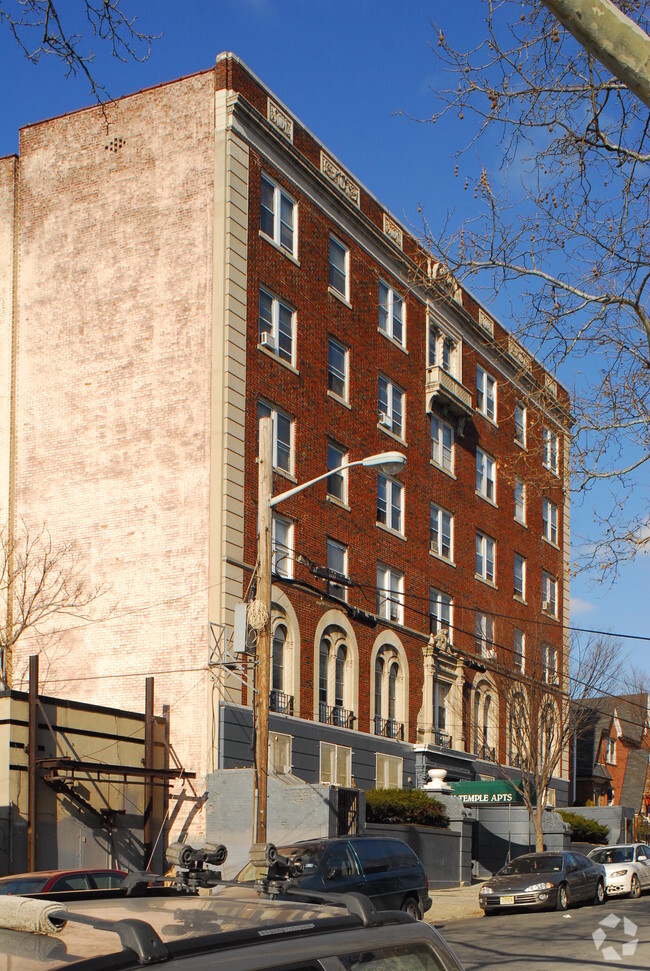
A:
x: 485, y: 476
x: 520, y: 500
x: 442, y: 444
x: 276, y: 326
x: 280, y: 753
x: 440, y: 606
x: 549, y: 594
x: 610, y: 751
x: 335, y: 764
x: 339, y: 268
x: 444, y: 351
x: 278, y: 216
x: 337, y: 369
x: 551, y: 451
x: 549, y: 521
x: 486, y: 394
x: 441, y: 532
x: 283, y: 436
x: 520, y: 577
x: 519, y: 641
x: 484, y: 634
x: 390, y: 593
x: 282, y: 548
x: 520, y: 424
x: 485, y: 557
x: 389, y: 772
x: 337, y: 562
x: 391, y: 313
x: 391, y: 407
x: 337, y: 482
x: 390, y: 503
x: 549, y: 663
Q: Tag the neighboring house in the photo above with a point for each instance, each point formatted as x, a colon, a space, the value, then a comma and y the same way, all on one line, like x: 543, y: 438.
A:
x: 189, y: 258
x: 612, y: 752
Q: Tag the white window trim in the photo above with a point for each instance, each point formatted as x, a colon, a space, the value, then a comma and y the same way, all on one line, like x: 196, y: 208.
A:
x: 287, y: 740
x: 338, y: 752
x: 547, y: 527
x: 487, y: 628
x: 286, y: 561
x: 486, y: 461
x: 384, y: 775
x: 549, y: 436
x: 273, y: 347
x: 392, y: 485
x: 330, y: 542
x: 278, y: 192
x: 275, y: 412
x: 520, y: 596
x: 391, y: 389
x: 438, y: 552
x: 482, y: 387
x: 438, y: 596
x: 343, y: 473
x: 387, y: 604
x: 442, y: 424
x: 344, y: 297
x: 346, y: 378
x: 522, y: 444
x: 389, y: 333
x: 485, y: 539
x: 440, y: 335
x: 518, y: 519
x: 549, y: 603
x: 520, y: 658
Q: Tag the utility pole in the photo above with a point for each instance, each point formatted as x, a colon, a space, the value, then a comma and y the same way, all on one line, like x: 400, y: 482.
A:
x: 32, y: 778
x: 263, y: 660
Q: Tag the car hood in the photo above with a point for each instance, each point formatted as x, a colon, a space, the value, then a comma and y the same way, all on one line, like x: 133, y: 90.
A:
x: 516, y: 882
x: 612, y: 867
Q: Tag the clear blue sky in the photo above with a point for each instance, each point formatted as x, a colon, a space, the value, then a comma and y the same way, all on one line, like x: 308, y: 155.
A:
x: 347, y: 69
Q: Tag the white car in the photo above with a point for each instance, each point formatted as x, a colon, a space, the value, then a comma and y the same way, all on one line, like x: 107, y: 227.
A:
x: 627, y: 866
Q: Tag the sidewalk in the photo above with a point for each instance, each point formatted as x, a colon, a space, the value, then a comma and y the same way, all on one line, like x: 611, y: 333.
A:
x: 457, y: 903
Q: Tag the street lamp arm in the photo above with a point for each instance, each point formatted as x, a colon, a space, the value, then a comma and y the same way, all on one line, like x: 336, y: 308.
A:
x: 389, y: 461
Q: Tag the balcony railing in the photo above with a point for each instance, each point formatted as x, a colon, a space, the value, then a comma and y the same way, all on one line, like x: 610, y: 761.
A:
x: 515, y: 761
x: 335, y: 715
x: 487, y: 754
x: 280, y: 702
x: 447, y: 391
x: 389, y: 728
x: 441, y: 738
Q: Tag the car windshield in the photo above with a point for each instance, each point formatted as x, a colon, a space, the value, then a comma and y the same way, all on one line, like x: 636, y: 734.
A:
x: 532, y: 864
x: 310, y: 853
x: 613, y: 854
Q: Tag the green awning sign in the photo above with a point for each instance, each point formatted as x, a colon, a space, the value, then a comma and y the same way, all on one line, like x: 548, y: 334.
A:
x: 490, y: 792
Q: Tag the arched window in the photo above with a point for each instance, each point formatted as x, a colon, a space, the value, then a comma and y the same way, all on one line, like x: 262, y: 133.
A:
x: 323, y: 671
x: 379, y: 686
x: 278, y: 658
x: 334, y: 676
x: 339, y: 676
x: 477, y: 712
x: 486, y: 721
x: 388, y: 693
x: 392, y: 690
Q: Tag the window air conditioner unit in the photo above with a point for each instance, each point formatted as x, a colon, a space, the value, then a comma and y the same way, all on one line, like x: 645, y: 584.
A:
x: 266, y: 340
x: 384, y: 420
x: 546, y: 605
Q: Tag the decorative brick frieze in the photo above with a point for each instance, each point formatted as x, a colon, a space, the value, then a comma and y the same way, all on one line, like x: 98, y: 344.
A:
x: 340, y: 179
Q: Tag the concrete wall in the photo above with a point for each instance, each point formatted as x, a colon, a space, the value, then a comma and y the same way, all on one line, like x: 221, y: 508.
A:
x: 501, y: 833
x: 618, y: 819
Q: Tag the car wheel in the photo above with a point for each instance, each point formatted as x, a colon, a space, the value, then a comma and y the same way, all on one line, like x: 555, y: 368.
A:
x: 562, y: 901
x: 599, y: 896
x: 635, y: 886
x: 412, y: 907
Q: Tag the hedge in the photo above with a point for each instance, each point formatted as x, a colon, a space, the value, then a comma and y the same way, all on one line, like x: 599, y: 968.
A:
x: 584, y: 830
x: 404, y: 806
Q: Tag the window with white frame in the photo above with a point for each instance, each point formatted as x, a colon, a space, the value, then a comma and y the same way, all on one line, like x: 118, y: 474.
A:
x: 551, y: 450
x: 278, y: 658
x: 441, y: 532
x: 391, y: 407
x: 282, y: 547
x: 520, y: 500
x: 486, y: 394
x: 391, y: 313
x: 389, y: 772
x: 388, y: 693
x: 279, y: 753
x: 520, y: 424
x: 337, y: 369
x: 337, y: 482
x: 283, y: 436
x: 444, y: 351
x: 520, y: 577
x: 390, y: 503
x: 519, y: 648
x: 549, y: 594
x: 610, y: 751
x: 337, y: 562
x: 339, y: 268
x: 442, y: 444
x: 278, y: 216
x: 484, y: 634
x: 549, y: 520
x: 390, y: 593
x: 486, y: 476
x: 276, y: 326
x: 440, y: 610
x: 485, y: 557
x: 549, y: 664
x: 335, y: 764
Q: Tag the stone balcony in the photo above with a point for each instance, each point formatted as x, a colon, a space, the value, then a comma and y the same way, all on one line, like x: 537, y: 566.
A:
x: 448, y: 394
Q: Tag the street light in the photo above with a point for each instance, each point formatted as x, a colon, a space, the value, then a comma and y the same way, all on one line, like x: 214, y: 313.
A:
x: 387, y: 462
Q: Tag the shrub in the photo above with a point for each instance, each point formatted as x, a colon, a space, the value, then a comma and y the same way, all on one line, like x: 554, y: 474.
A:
x: 642, y: 830
x: 584, y: 830
x: 404, y: 806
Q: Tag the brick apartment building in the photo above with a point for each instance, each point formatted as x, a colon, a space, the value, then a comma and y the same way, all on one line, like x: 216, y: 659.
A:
x: 169, y: 272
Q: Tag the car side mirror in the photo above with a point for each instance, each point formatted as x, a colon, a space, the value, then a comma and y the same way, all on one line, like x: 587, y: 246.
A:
x: 642, y: 858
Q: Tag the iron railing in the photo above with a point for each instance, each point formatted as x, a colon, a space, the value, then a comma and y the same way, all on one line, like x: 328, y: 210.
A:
x: 389, y: 728
x: 280, y: 702
x: 335, y: 715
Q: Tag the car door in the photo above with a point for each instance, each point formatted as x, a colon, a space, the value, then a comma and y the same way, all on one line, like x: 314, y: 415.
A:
x: 382, y: 883
x: 575, y: 878
x: 340, y: 870
x: 642, y: 860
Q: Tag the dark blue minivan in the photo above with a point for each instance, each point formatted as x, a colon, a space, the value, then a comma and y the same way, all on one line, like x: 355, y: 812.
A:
x: 386, y: 870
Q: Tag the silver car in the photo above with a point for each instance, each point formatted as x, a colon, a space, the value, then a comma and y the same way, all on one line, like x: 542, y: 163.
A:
x: 627, y: 868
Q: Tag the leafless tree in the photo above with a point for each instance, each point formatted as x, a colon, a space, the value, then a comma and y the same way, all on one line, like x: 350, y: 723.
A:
x: 42, y: 589
x: 562, y: 220
x: 46, y: 27
x: 545, y: 709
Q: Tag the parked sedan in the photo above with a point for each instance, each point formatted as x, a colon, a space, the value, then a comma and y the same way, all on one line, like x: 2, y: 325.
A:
x: 53, y: 881
x: 544, y: 881
x: 627, y: 868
